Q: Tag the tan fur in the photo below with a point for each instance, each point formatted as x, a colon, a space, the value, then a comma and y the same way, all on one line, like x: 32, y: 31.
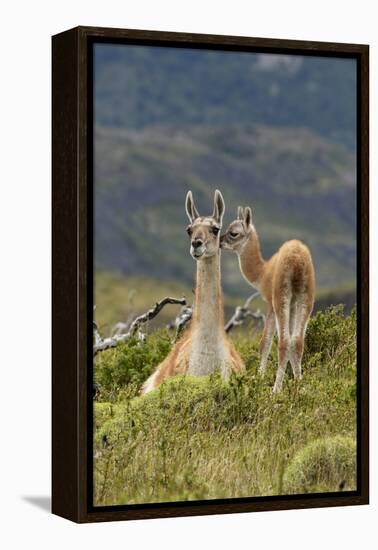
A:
x: 204, y: 347
x: 286, y: 282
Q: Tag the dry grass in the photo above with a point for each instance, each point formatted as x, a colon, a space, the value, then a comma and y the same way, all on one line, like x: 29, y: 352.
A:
x: 202, y: 438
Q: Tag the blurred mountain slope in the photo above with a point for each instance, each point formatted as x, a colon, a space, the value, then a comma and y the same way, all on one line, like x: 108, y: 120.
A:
x: 138, y: 86
x: 298, y: 183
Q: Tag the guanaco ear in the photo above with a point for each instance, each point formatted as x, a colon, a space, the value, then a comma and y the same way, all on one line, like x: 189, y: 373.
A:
x: 219, y: 207
x: 247, y: 216
x: 240, y: 213
x: 190, y: 208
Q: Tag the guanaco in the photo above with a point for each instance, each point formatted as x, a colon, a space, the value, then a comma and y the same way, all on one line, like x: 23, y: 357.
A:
x: 286, y: 282
x: 204, y: 347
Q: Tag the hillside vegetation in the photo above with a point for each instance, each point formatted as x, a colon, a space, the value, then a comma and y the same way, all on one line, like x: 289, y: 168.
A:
x: 203, y: 438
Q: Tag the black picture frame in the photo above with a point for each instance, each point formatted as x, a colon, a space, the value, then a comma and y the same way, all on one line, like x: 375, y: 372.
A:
x: 72, y: 288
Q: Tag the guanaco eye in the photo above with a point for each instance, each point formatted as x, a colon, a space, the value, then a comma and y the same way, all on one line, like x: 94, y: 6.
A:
x: 233, y: 235
x: 189, y: 230
x: 215, y: 230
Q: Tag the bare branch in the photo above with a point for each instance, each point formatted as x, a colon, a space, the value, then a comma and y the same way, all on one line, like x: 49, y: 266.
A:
x: 183, y: 317
x: 102, y: 344
x: 251, y: 298
x: 242, y: 313
x: 96, y: 333
x: 120, y: 328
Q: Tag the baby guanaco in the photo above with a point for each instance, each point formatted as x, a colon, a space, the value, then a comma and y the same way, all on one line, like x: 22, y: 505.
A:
x: 286, y: 282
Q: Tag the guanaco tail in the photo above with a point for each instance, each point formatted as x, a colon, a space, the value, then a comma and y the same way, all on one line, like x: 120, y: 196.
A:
x: 286, y: 282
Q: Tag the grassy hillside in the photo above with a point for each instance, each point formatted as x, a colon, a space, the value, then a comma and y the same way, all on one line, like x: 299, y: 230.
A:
x: 298, y: 184
x: 119, y: 298
x: 202, y: 438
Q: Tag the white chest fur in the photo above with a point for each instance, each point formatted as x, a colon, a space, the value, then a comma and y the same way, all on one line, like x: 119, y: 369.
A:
x: 208, y: 354
x: 209, y: 351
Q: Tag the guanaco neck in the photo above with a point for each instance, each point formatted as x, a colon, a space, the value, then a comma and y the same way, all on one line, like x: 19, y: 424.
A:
x: 208, y: 311
x: 250, y: 259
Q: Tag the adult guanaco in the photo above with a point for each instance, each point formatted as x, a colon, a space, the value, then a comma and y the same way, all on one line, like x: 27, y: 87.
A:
x: 204, y: 347
x: 286, y: 282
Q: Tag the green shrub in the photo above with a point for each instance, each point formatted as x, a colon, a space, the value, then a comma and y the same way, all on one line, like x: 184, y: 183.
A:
x: 199, y: 438
x: 189, y: 403
x: 331, y: 336
x: 327, y: 464
x: 129, y: 364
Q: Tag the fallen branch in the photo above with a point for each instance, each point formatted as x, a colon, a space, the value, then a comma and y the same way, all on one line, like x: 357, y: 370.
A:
x: 185, y: 314
x: 238, y: 318
x: 242, y: 313
x: 101, y: 344
x: 120, y: 328
x: 183, y: 317
x: 96, y: 334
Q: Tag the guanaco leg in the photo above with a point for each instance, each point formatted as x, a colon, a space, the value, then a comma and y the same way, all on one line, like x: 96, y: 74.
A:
x: 267, y: 339
x: 282, y: 313
x: 302, y: 315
